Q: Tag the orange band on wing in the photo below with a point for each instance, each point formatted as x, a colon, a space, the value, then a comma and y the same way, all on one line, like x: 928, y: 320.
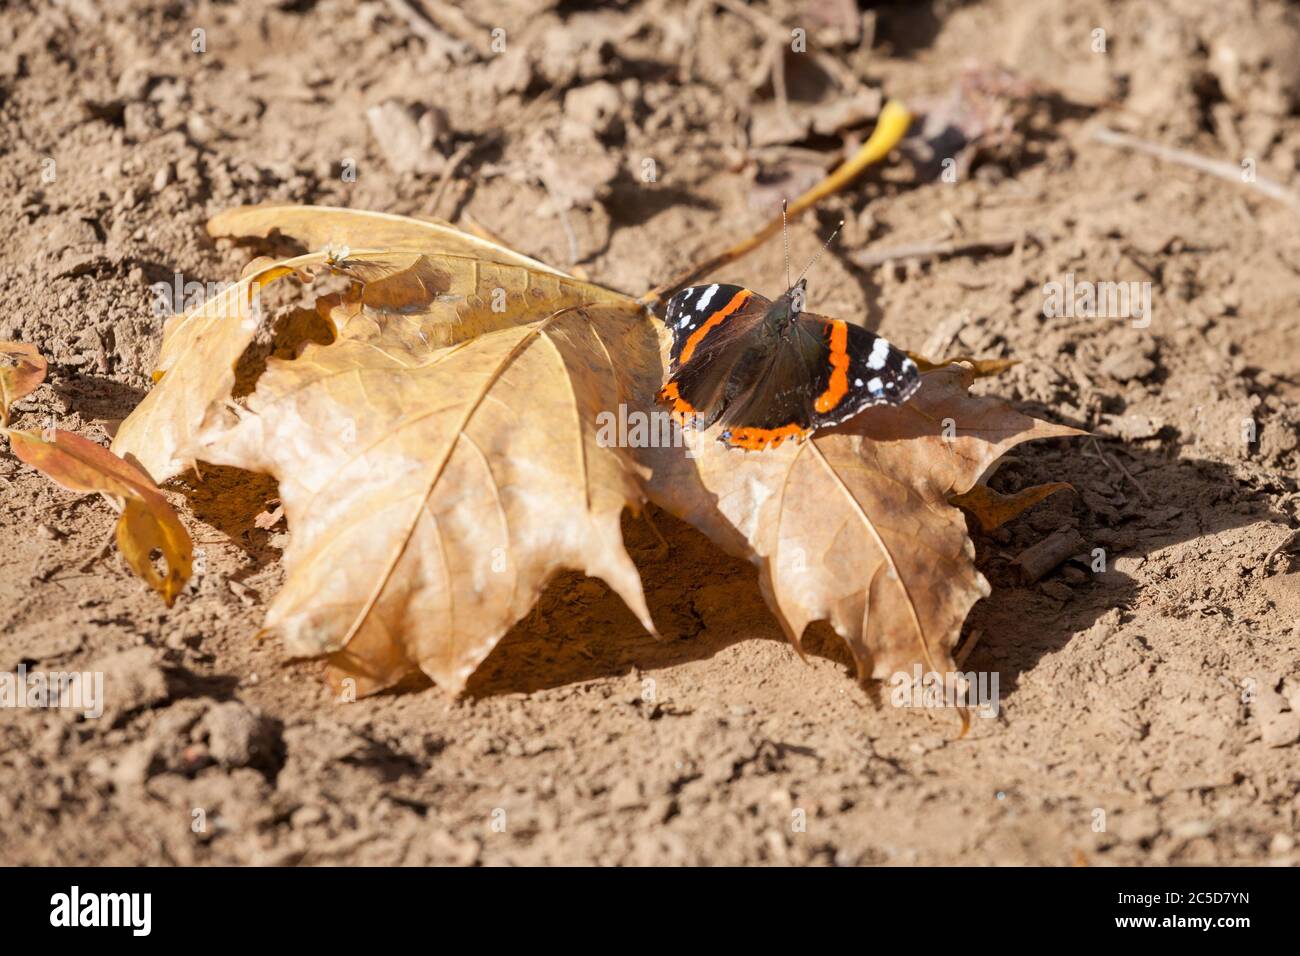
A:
x: 756, y: 439
x: 682, y: 409
x: 838, y: 386
x: 737, y: 300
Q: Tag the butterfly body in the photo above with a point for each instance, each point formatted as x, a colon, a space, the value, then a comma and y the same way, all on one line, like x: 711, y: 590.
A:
x: 768, y: 370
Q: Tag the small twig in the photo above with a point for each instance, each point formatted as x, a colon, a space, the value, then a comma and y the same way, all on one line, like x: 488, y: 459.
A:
x: 1214, y: 167
x: 941, y: 249
x: 1117, y: 464
x: 774, y: 51
x: 1041, y: 558
x: 782, y: 154
x: 890, y: 127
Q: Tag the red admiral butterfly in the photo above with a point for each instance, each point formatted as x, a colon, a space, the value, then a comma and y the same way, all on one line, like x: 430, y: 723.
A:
x: 770, y: 371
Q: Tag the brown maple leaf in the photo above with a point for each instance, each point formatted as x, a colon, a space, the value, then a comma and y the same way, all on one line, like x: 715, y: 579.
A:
x: 853, y: 526
x: 440, y: 459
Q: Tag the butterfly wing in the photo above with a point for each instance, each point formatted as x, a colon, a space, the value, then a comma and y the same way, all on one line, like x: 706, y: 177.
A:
x: 858, y: 369
x: 711, y: 328
x: 698, y: 313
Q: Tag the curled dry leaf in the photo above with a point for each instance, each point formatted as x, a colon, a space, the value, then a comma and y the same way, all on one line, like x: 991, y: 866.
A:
x: 432, y: 481
x: 147, y: 522
x: 472, y: 287
x: 22, y: 369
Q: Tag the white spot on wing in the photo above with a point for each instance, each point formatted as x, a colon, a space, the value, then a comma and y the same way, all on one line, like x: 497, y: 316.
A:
x: 879, y: 352
x: 875, y: 386
x: 704, y: 299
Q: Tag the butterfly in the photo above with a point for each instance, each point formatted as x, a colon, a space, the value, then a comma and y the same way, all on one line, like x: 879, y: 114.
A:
x: 769, y: 371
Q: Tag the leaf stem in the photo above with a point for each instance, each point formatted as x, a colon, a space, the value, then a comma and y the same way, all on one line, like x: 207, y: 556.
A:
x: 890, y: 128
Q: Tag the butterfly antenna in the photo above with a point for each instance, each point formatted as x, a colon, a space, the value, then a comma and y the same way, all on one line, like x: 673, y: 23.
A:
x: 820, y: 251
x: 785, y: 236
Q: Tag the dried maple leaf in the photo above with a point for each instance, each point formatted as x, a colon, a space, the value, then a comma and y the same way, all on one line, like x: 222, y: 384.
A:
x: 854, y: 526
x: 439, y: 460
x: 431, y: 489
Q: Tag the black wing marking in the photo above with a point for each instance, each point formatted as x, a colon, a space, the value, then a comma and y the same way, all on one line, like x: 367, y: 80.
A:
x: 860, y: 369
x: 698, y: 312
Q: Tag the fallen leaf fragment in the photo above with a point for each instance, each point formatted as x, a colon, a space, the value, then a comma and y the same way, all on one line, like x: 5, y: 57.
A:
x: 992, y: 509
x: 147, y: 521
x: 22, y: 369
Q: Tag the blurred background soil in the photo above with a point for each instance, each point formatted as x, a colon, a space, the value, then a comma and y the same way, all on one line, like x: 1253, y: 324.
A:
x: 1150, y: 712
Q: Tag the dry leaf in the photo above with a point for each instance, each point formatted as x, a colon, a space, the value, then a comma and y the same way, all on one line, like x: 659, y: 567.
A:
x: 20, y: 378
x: 147, y: 521
x: 853, y: 526
x: 432, y: 482
x: 431, y: 494
x: 992, y: 509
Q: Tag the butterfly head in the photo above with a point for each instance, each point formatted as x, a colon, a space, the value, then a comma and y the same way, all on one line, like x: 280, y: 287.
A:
x: 784, y: 312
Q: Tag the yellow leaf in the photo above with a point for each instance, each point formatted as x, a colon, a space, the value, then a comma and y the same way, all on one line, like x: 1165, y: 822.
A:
x: 21, y: 378
x: 147, y: 521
